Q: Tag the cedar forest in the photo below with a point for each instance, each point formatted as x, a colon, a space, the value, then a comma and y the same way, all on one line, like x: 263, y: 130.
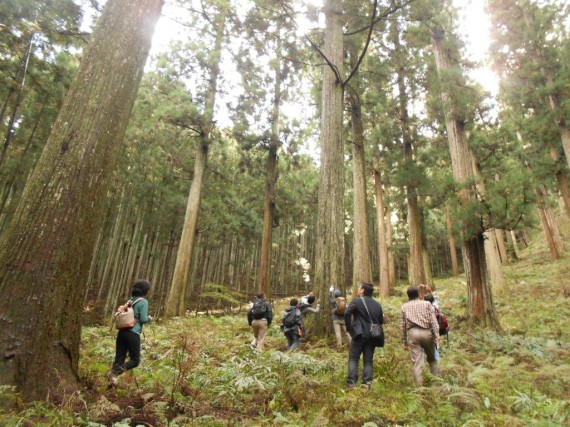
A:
x: 281, y: 146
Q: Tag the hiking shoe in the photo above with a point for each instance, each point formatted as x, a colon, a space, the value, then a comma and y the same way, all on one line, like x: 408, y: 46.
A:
x: 365, y: 385
x: 113, y: 380
x: 350, y: 385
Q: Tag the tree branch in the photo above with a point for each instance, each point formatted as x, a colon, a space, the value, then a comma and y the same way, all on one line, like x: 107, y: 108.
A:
x: 357, y: 66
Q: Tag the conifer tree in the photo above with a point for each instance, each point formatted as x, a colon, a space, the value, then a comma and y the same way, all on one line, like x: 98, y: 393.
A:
x: 216, y: 16
x: 46, y: 251
x: 481, y: 308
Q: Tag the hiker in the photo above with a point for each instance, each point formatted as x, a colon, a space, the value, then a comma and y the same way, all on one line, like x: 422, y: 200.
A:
x: 430, y: 298
x: 259, y: 318
x: 420, y: 333
x: 129, y: 340
x: 424, y: 290
x: 307, y: 307
x: 292, y: 324
x: 305, y: 298
x: 338, y: 306
x: 359, y: 316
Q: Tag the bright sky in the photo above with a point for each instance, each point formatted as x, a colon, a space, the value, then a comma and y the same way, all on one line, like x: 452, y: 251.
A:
x: 473, y: 25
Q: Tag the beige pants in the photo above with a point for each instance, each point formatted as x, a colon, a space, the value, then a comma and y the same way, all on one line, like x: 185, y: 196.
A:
x: 339, y: 331
x: 422, y: 343
x: 259, y: 331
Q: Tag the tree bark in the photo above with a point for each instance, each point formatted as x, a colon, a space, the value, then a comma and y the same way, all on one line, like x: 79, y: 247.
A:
x: 383, y: 254
x: 329, y: 261
x: 480, y: 304
x: 389, y: 234
x: 361, y: 264
x: 513, y: 240
x: 46, y: 251
x: 451, y: 242
x: 271, y: 175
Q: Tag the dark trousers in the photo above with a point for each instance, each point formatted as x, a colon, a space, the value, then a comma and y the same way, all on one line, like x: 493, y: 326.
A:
x: 128, y: 342
x: 360, y: 346
x: 292, y: 339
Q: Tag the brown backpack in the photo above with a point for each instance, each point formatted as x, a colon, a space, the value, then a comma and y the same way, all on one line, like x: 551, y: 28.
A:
x: 340, y: 306
x: 124, y: 317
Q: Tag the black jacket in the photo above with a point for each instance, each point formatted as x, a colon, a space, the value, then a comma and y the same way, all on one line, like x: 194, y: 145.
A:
x: 356, y: 318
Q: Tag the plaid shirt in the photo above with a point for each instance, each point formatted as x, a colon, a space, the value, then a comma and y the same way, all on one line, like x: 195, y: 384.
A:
x: 418, y: 313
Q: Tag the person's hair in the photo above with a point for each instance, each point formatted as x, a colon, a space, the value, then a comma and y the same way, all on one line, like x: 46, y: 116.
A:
x: 368, y: 288
x: 311, y: 299
x: 413, y: 292
x: 140, y: 288
x: 260, y: 295
x: 429, y: 297
x: 293, y: 302
x: 337, y: 293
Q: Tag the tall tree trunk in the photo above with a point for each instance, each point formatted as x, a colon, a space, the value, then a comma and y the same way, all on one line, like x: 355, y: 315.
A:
x: 362, y: 271
x: 416, y: 264
x: 271, y: 175
x: 382, y: 232
x: 389, y: 240
x: 329, y: 261
x: 492, y: 254
x: 46, y: 251
x: 177, y: 293
x: 480, y: 304
x: 451, y: 242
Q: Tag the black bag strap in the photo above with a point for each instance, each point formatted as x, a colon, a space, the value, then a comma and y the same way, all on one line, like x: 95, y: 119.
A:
x: 366, y: 307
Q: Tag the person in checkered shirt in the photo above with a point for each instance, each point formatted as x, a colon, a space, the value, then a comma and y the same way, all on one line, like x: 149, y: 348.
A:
x: 420, y: 333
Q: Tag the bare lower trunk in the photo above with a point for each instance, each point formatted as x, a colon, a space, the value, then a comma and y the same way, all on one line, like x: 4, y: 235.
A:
x: 389, y: 240
x: 176, y: 296
x: 268, y: 216
x: 479, y: 294
x: 554, y: 253
x: 513, y: 240
x: 382, y: 234
x: 46, y: 251
x: 361, y: 271
x: 493, y: 259
x: 452, y: 244
x: 501, y: 246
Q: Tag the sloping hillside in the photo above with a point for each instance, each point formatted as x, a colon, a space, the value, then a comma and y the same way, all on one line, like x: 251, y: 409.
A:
x: 200, y: 371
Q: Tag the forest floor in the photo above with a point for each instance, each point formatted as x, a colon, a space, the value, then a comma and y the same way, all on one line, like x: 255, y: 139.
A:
x: 201, y: 371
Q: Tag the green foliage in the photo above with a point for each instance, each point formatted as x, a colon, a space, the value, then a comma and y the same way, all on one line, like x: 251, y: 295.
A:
x: 222, y: 296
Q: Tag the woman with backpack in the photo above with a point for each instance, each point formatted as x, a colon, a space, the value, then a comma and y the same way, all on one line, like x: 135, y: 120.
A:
x: 129, y: 339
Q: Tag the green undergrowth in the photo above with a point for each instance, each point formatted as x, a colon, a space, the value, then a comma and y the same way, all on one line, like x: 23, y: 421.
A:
x: 201, y: 371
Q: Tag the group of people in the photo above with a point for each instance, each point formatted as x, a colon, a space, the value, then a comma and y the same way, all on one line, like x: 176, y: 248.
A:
x: 359, y: 322
x: 355, y: 322
x: 292, y: 321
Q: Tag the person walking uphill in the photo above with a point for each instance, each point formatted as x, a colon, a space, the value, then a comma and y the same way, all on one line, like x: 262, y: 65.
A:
x: 420, y: 333
x: 338, y: 308
x: 359, y: 317
x: 259, y: 317
x: 292, y: 324
x: 129, y: 340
